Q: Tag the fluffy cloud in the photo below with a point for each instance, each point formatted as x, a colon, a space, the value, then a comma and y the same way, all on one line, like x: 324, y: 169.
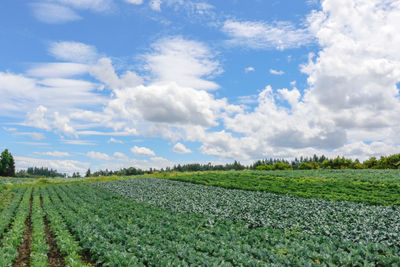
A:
x: 168, y: 103
x: 142, y: 151
x: 183, y: 61
x: 98, y: 156
x: 181, y: 149
x: 261, y: 35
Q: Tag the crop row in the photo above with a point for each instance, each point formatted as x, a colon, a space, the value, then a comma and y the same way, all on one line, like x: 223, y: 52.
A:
x: 369, y: 192
x: 39, y: 248
x: 7, y: 214
x: 343, y: 220
x: 117, y: 231
x: 367, y: 175
x: 13, y: 238
x: 5, y: 198
x: 66, y: 243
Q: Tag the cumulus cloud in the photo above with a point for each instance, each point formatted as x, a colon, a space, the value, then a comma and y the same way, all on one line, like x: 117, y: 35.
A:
x: 186, y: 62
x: 142, y: 151
x: 181, y: 149
x: 168, y: 103
x: 261, y: 35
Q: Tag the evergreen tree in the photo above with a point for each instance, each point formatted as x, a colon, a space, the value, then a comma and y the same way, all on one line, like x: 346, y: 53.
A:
x: 7, y: 164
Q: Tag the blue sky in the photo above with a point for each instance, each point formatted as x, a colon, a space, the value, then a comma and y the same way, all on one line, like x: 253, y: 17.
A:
x: 119, y: 83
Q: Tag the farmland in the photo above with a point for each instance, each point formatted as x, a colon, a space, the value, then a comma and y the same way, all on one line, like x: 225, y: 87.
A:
x: 203, y: 219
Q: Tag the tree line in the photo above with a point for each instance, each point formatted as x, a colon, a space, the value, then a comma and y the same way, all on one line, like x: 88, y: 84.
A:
x: 7, y: 166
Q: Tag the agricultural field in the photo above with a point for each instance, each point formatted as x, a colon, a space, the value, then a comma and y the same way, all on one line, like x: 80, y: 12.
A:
x: 162, y: 222
x: 366, y: 186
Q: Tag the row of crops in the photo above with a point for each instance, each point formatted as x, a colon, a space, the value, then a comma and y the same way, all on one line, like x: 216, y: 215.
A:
x: 116, y: 230
x: 154, y: 222
x: 343, y: 220
x: 326, y: 184
x: 23, y: 220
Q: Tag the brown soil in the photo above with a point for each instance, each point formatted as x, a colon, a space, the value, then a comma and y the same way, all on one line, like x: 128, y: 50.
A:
x: 55, y: 258
x: 24, y: 251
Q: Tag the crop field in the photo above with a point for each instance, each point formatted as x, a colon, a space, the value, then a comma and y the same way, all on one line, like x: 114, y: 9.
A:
x: 366, y: 186
x: 162, y: 222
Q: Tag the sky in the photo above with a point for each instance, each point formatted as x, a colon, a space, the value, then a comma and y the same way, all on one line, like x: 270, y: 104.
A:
x: 152, y: 83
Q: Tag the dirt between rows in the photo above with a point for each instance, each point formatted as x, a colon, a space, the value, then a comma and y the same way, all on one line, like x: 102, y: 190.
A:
x: 55, y: 257
x: 24, y: 251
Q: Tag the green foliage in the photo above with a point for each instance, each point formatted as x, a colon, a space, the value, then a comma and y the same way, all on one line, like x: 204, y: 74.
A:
x: 7, y: 214
x: 121, y: 232
x: 260, y: 209
x: 7, y: 164
x: 65, y: 241
x: 6, y: 196
x: 39, y: 247
x: 13, y: 238
x: 370, y: 191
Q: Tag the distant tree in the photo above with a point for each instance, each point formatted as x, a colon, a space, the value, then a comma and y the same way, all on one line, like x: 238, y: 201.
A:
x: 88, y: 173
x: 7, y: 164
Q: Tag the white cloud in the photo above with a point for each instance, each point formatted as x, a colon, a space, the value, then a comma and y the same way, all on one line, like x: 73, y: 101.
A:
x: 93, y: 5
x: 181, y: 149
x: 276, y: 72
x: 62, y: 124
x: 33, y: 135
x: 63, y: 166
x: 78, y: 142
x: 120, y: 155
x: 155, y: 5
x: 261, y: 35
x: 98, y: 156
x: 185, y: 62
x: 127, y: 132
x: 54, y: 13
x: 9, y: 129
x: 37, y: 118
x: 64, y: 69
x: 135, y: 2
x: 56, y: 154
x: 104, y: 71
x: 142, y: 151
x: 249, y: 69
x: 113, y: 140
x: 73, y: 51
x: 168, y: 103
